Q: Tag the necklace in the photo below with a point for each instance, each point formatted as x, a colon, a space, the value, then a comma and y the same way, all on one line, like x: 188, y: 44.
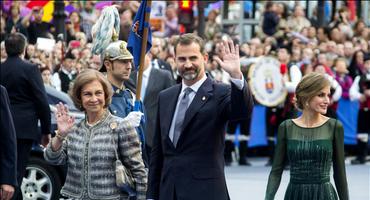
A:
x: 95, y: 123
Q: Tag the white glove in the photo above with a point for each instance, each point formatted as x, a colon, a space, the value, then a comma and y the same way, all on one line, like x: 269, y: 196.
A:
x: 134, y: 118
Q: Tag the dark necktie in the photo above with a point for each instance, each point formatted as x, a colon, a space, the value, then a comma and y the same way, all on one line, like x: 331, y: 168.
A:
x: 183, y: 106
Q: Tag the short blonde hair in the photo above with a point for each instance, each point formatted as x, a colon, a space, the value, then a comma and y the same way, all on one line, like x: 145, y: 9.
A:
x: 310, y: 86
x: 85, y: 77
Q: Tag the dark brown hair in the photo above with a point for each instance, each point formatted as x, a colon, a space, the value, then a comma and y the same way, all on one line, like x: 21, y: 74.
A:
x: 189, y: 38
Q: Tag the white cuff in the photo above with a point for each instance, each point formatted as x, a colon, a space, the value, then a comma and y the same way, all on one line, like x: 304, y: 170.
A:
x: 239, y: 83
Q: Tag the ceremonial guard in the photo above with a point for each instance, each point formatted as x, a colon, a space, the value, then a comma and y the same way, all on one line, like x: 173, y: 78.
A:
x: 117, y: 63
x: 277, y: 114
x: 360, y: 90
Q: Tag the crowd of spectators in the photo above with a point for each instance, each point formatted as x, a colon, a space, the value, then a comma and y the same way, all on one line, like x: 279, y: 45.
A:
x: 341, y: 47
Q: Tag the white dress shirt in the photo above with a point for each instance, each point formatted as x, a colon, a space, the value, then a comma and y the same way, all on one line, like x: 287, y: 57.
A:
x: 195, y: 87
x: 144, y: 81
x: 55, y: 79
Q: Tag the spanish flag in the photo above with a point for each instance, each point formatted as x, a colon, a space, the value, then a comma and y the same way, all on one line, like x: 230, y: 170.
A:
x: 46, y: 5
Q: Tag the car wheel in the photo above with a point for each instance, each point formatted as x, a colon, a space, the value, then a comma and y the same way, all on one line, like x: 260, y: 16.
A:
x: 41, y: 181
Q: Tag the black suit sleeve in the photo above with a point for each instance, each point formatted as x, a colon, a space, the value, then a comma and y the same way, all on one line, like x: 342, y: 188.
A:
x: 170, y: 79
x: 156, y: 162
x: 41, y: 101
x: 241, y: 103
x: 8, y: 146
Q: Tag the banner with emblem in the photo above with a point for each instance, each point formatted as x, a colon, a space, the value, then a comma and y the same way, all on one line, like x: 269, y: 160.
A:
x: 136, y: 34
x: 266, y: 82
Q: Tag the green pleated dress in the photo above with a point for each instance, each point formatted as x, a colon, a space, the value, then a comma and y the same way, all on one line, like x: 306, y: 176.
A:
x: 311, y: 153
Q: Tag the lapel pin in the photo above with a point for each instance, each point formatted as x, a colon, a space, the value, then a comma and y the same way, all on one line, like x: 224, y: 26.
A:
x: 203, y: 98
x: 113, y: 125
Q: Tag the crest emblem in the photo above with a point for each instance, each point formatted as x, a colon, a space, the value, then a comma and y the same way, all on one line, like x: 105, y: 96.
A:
x: 135, y: 28
x: 266, y: 82
x: 122, y: 48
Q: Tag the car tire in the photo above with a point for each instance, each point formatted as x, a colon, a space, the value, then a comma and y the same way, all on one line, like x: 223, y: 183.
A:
x: 41, y: 181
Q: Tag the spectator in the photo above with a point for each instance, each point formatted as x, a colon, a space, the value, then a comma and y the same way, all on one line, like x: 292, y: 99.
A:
x: 171, y: 22
x: 322, y: 59
x: 85, y: 54
x: 95, y: 62
x: 30, y: 51
x: 311, y: 34
x: 89, y: 17
x: 81, y: 37
x: 360, y: 91
x: 36, y: 28
x: 341, y: 75
x: 14, y: 22
x: 331, y: 50
x: 211, y: 27
x: 46, y: 75
x: 126, y: 17
x: 3, y: 33
x: 73, y: 26
x: 322, y: 34
x: 356, y: 67
x: 298, y: 21
x: 348, y: 51
x: 270, y: 19
x: 155, y: 53
x: 336, y: 35
x: 3, y: 55
x: 359, y: 27
x: 61, y: 79
x: 282, y: 12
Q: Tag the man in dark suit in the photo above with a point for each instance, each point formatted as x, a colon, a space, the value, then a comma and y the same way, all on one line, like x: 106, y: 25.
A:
x: 153, y: 82
x: 8, y: 147
x: 187, y: 160
x: 28, y: 101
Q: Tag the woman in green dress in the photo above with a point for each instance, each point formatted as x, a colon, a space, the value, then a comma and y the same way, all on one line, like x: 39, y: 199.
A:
x: 311, y: 143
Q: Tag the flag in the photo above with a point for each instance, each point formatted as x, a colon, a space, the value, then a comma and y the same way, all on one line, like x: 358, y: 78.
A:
x: 135, y: 37
x: 46, y: 5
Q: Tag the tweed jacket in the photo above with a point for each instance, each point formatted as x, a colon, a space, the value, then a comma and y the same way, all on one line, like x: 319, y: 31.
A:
x: 89, y: 152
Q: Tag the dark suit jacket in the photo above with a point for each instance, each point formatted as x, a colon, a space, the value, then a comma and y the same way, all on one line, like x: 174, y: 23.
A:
x: 158, y: 81
x: 28, y: 100
x: 195, y: 168
x: 8, y: 145
x: 164, y: 65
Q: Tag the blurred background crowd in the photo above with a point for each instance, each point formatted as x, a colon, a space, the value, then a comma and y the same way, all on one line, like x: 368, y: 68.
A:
x: 281, y: 29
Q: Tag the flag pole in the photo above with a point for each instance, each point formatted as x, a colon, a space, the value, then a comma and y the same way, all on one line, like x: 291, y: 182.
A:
x: 143, y: 52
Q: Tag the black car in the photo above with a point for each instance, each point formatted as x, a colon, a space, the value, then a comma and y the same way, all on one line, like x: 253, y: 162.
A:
x: 43, y: 181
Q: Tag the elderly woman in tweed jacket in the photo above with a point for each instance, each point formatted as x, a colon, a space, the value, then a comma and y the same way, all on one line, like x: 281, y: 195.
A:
x: 88, y: 147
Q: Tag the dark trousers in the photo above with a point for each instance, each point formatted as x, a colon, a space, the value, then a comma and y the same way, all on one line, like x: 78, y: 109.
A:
x: 363, y: 127
x: 24, y: 147
x: 243, y: 145
x: 148, y: 152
